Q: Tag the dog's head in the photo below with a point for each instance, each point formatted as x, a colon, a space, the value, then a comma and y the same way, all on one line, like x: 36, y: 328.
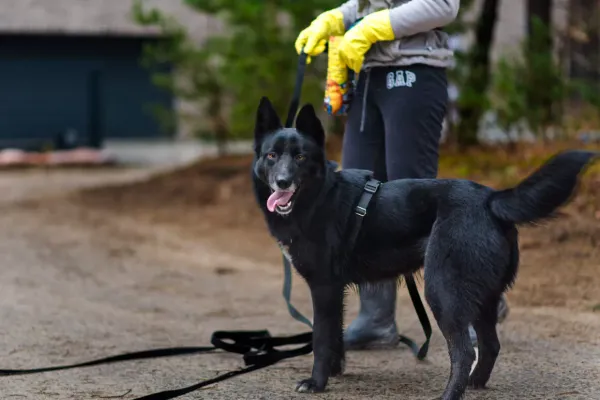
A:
x: 288, y: 160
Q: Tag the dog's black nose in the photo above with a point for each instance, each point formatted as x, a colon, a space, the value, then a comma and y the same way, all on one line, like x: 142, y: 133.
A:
x: 283, y: 183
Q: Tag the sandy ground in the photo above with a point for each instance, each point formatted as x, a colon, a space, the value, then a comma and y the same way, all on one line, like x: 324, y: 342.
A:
x: 80, y: 279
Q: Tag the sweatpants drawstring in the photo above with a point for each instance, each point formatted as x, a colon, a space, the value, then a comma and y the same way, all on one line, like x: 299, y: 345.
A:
x: 364, y: 102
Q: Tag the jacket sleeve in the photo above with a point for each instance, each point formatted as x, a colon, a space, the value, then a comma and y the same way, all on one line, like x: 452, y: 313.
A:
x: 350, y: 12
x: 422, y: 15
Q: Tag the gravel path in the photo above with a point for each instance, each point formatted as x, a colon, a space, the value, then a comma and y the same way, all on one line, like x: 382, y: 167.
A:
x: 79, y: 283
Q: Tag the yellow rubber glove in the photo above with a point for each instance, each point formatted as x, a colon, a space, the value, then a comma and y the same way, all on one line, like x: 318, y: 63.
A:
x: 358, y: 40
x: 314, y: 38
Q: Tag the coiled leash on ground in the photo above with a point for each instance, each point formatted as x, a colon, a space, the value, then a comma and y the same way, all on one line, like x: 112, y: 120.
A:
x: 259, y: 348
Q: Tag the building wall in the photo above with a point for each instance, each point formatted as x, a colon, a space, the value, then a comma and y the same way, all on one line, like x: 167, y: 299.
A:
x: 95, y: 17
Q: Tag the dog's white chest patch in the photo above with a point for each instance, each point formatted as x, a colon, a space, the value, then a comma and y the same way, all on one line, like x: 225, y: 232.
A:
x: 286, y: 252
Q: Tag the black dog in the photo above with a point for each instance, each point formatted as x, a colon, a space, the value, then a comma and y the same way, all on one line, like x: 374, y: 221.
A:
x: 463, y: 233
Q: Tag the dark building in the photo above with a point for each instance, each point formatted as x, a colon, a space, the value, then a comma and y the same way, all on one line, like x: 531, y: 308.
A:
x: 70, y: 70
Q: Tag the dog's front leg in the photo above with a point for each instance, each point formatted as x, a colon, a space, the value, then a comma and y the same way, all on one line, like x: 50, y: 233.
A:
x: 328, y: 345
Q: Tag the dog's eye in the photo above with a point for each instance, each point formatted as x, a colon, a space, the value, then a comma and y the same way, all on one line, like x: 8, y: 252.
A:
x: 300, y: 157
x: 271, y: 156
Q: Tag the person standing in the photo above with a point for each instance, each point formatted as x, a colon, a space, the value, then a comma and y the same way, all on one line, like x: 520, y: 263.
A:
x: 394, y: 124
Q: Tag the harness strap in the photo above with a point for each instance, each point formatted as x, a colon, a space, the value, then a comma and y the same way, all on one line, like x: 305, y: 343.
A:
x: 360, y: 210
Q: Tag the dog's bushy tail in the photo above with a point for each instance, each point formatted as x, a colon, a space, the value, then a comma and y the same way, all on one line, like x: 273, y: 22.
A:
x: 544, y: 191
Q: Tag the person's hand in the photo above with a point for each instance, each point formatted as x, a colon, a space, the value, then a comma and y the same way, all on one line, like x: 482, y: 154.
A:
x: 358, y: 40
x: 312, y: 40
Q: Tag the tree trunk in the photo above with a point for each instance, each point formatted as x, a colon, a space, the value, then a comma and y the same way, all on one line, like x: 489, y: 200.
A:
x: 221, y: 136
x: 540, y: 46
x: 584, y: 42
x: 470, y: 105
x: 541, y: 9
x: 218, y: 122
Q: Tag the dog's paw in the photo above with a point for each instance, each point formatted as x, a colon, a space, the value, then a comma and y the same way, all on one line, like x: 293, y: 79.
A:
x: 308, y: 386
x: 338, y: 367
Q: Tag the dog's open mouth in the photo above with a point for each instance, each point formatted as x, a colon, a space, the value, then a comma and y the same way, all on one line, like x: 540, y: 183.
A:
x: 281, y: 201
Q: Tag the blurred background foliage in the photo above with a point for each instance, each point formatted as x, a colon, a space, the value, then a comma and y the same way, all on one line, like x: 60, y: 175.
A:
x: 528, y: 92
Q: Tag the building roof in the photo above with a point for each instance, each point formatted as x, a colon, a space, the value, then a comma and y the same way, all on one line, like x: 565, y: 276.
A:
x: 95, y: 17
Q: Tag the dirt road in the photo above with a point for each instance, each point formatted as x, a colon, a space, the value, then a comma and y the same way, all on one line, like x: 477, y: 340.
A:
x: 79, y: 281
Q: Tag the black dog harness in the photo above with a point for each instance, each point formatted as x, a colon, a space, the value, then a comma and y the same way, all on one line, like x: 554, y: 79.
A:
x: 259, y: 348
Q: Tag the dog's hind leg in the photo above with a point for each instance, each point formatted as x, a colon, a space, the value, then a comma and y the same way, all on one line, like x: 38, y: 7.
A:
x: 328, y: 344
x: 488, y: 344
x: 455, y: 328
x: 448, y: 297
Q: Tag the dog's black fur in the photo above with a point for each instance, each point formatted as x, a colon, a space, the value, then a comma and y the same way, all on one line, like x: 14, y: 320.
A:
x: 463, y: 233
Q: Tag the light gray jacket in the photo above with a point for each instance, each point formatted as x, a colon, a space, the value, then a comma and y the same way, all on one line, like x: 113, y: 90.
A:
x: 415, y: 23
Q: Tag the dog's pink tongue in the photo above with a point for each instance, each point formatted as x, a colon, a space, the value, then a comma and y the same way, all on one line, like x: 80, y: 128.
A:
x: 278, y: 198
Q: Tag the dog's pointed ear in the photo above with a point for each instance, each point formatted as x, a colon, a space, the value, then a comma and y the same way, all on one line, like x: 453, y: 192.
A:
x: 308, y: 123
x: 267, y: 119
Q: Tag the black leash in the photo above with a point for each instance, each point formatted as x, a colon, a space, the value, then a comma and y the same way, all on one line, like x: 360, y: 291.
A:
x: 289, y: 122
x: 295, y: 102
x: 420, y: 353
x: 138, y: 355
x: 259, y: 348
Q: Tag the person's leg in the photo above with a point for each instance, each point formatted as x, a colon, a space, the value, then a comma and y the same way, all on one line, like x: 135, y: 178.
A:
x: 364, y: 143
x: 413, y: 101
x: 365, y: 149
x: 413, y: 111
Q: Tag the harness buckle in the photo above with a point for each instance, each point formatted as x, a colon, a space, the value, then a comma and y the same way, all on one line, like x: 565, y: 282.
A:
x: 368, y: 191
x: 371, y: 187
x: 360, y: 211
